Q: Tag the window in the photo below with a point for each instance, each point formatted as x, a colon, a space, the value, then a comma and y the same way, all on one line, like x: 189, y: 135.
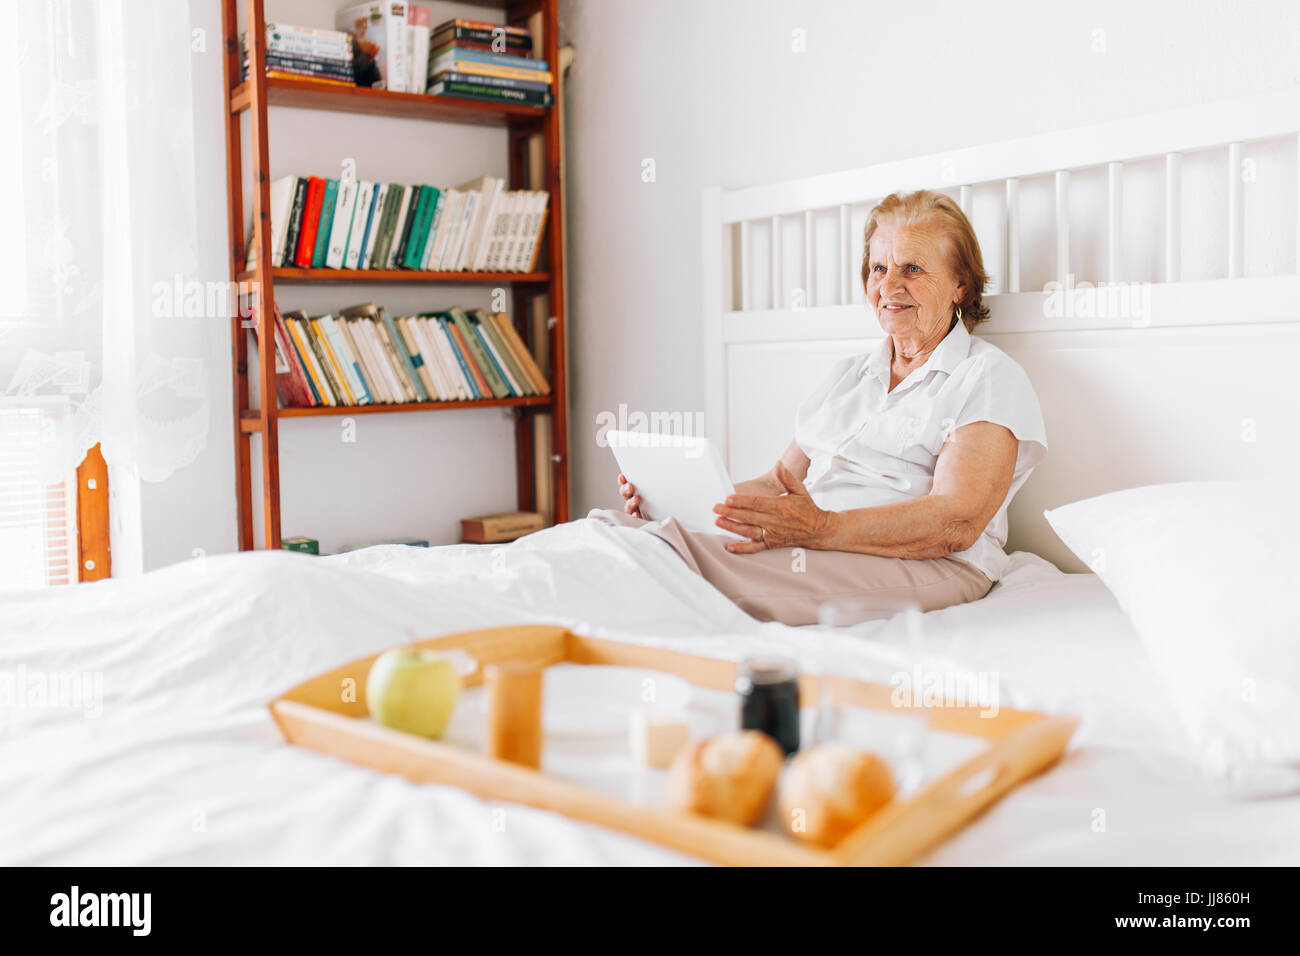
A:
x: 41, y: 543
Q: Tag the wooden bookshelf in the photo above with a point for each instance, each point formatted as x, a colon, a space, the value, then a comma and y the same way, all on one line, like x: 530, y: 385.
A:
x: 255, y: 99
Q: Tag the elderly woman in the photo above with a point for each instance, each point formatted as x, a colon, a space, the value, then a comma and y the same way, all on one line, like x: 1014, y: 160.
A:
x: 904, y: 459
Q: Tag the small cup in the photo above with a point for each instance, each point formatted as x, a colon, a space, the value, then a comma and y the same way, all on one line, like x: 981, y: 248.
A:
x: 515, y: 713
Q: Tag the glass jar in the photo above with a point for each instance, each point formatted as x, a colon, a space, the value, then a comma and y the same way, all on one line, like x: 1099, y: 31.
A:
x: 769, y: 698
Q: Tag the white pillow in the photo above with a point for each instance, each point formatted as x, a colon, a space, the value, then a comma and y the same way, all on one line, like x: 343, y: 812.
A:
x: 1207, y: 573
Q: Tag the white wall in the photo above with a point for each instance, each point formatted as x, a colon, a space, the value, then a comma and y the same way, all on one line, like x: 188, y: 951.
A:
x: 714, y: 94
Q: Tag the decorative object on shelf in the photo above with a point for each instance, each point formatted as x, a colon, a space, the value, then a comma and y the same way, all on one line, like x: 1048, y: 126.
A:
x: 381, y: 37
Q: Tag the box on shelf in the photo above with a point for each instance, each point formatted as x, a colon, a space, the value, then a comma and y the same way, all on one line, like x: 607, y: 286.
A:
x: 305, y: 545
x: 487, y: 529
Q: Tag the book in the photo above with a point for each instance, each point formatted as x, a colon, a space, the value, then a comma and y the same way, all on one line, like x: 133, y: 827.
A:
x: 488, y: 189
x: 447, y: 341
x: 503, y: 82
x: 516, y: 42
x: 490, y: 94
x: 356, y: 354
x: 311, y: 65
x: 417, y: 47
x: 435, y: 211
x: 304, y: 362
x: 393, y: 357
x: 310, y: 222
x: 488, y: 346
x: 453, y: 202
x: 400, y: 224
x: 454, y: 62
x: 526, y: 256
x: 328, y: 202
x: 387, y: 223
x: 423, y: 366
x: 294, y: 225
x: 299, y: 326
x: 340, y: 360
x: 369, y: 360
x: 526, y: 361
x: 398, y: 342
x: 434, y: 345
x: 456, y: 249
x: 405, y: 223
x: 300, y: 544
x: 488, y: 529
x: 331, y: 363
x: 356, y: 231
x: 496, y: 385
x: 525, y: 65
x: 506, y: 361
x: 282, y: 197
x: 482, y: 25
x: 290, y: 378
x: 372, y: 225
x: 379, y: 27
x: 413, y: 249
x: 288, y: 38
x: 342, y: 223
x: 446, y: 42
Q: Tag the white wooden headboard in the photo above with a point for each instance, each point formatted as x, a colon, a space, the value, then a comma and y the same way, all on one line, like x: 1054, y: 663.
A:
x: 1162, y: 332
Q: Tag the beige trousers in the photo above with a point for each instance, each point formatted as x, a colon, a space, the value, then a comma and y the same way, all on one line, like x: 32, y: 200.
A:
x: 790, y: 584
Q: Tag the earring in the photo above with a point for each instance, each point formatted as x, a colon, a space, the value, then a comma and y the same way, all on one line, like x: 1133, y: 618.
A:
x: 958, y: 313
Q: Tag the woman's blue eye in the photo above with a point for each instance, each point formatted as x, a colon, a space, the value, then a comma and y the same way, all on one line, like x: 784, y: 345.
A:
x: 916, y: 268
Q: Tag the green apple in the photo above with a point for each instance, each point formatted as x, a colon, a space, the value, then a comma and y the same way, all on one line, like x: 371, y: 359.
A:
x: 413, y: 690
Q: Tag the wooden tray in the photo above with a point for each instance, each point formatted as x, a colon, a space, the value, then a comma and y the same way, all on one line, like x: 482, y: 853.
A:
x: 319, y: 715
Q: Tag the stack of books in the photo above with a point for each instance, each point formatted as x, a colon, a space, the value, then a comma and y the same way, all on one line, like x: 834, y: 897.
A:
x: 364, y: 355
x: 484, y: 61
x: 478, y: 226
x: 304, y: 53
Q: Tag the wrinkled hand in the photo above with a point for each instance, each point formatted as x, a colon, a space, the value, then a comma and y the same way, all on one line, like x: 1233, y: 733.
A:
x: 631, y: 500
x: 788, y: 521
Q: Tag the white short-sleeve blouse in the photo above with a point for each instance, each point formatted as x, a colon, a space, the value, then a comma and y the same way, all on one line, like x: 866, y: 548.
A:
x: 869, y: 446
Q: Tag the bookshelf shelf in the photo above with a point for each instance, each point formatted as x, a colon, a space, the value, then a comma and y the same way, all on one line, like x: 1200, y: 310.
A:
x: 537, y: 298
x: 306, y: 94
x: 291, y: 274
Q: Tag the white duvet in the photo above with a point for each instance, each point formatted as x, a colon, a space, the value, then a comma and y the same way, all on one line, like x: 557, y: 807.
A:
x: 178, y: 760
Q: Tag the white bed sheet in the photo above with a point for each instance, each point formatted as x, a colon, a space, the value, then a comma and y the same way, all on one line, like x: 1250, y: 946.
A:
x: 185, y: 766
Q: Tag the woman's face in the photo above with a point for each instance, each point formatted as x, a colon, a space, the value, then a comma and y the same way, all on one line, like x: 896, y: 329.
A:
x: 909, y: 283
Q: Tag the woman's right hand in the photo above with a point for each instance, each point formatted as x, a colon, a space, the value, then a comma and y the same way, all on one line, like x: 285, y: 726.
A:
x: 631, y: 501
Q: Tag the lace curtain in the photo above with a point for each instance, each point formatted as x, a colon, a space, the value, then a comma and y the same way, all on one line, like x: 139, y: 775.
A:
x: 98, y: 254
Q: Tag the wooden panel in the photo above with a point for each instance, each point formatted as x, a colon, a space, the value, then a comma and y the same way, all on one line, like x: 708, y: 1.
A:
x: 94, y: 554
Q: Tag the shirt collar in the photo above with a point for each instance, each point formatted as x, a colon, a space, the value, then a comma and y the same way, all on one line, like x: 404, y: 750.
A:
x: 945, y: 358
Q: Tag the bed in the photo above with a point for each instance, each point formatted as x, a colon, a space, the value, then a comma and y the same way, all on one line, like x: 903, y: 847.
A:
x: 174, y: 759
x: 183, y: 764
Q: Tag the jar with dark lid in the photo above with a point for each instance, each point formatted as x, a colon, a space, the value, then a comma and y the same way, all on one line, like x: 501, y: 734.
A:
x: 769, y: 698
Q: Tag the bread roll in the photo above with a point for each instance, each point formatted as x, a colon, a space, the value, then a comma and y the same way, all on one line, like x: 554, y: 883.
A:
x: 829, y: 790
x: 729, y: 776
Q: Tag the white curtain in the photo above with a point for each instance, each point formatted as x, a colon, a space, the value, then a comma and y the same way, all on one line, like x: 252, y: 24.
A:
x: 97, y: 176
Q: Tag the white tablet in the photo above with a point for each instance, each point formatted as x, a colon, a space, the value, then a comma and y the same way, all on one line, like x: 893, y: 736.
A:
x: 675, y: 477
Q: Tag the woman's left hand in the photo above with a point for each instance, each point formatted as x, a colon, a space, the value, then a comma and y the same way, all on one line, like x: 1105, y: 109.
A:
x: 791, y: 520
